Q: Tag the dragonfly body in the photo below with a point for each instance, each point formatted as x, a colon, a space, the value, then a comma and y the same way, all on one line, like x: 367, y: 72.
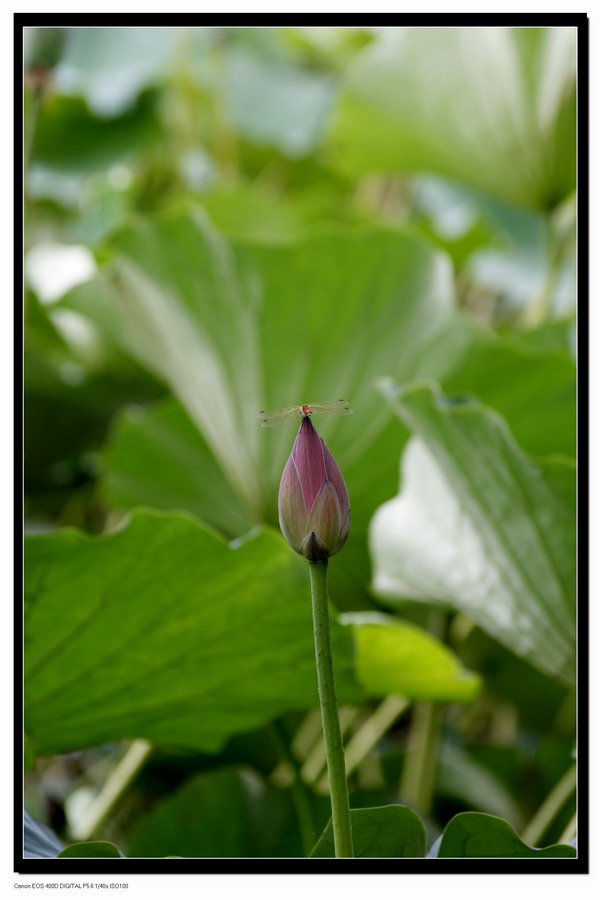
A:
x: 273, y: 417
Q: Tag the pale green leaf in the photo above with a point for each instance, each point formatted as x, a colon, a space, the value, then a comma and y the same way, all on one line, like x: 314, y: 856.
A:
x: 110, y: 67
x: 278, y: 104
x: 397, y: 657
x: 481, y: 527
x: 474, y: 104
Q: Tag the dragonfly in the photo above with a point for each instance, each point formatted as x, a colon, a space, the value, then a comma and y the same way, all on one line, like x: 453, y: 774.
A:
x: 270, y: 418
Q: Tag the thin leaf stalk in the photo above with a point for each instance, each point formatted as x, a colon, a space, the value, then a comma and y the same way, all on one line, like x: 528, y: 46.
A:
x: 419, y: 772
x: 371, y: 731
x: 418, y: 775
x: 332, y: 733
x: 112, y: 790
x: 560, y: 239
x: 551, y: 806
x: 570, y: 831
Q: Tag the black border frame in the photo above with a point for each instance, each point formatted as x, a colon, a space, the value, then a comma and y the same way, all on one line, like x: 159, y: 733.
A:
x: 500, y: 866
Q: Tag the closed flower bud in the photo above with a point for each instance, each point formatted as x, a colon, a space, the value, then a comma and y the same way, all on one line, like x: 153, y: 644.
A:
x: 314, y: 509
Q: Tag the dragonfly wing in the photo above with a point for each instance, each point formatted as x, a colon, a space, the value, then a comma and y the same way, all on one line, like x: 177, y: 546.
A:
x: 270, y: 418
x: 331, y: 409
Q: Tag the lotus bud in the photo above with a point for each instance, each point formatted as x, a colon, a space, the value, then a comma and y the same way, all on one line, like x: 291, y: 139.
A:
x: 314, y: 509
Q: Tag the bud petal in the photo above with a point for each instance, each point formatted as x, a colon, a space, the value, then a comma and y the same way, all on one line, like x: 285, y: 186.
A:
x: 344, y: 532
x: 337, y: 479
x: 293, y: 517
x: 307, y: 453
x: 314, y: 509
x: 325, y: 517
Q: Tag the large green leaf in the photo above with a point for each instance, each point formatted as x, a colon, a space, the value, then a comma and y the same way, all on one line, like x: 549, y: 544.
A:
x: 479, y: 526
x: 226, y: 813
x: 493, y: 107
x: 473, y: 834
x: 161, y: 630
x: 384, y: 832
x: 233, y: 331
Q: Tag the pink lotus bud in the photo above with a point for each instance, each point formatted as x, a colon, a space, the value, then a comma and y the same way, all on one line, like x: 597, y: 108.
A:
x: 314, y: 509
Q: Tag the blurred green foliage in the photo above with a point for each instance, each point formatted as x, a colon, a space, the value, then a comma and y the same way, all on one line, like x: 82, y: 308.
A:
x: 220, y: 220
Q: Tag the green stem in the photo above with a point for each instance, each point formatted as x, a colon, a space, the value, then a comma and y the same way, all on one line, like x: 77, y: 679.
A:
x: 332, y: 733
x: 315, y: 762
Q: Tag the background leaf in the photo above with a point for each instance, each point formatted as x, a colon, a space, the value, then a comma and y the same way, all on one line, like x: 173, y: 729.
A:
x: 257, y: 820
x: 470, y: 835
x: 69, y: 138
x: 533, y: 388
x: 461, y: 776
x: 381, y: 832
x: 160, y: 630
x: 275, y: 103
x: 90, y: 850
x: 500, y: 532
x: 110, y: 67
x: 489, y: 109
